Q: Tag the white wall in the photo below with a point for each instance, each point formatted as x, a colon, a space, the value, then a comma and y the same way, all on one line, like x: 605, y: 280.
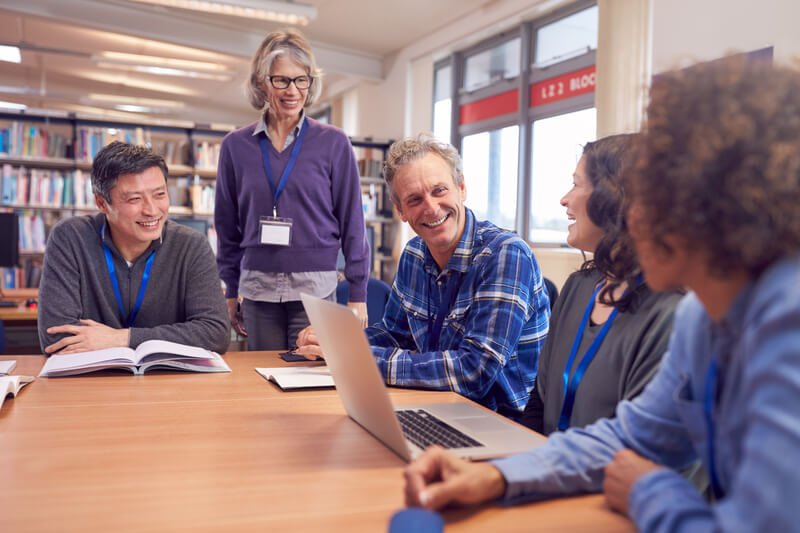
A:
x: 687, y: 31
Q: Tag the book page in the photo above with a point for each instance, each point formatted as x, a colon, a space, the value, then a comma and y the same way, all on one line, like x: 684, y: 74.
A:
x: 299, y: 377
x: 107, y: 357
x: 7, y: 366
x: 11, y: 385
x: 213, y: 364
x: 158, y: 350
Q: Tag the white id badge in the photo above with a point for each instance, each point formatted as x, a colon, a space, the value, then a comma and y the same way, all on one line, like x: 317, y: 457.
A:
x: 275, y: 230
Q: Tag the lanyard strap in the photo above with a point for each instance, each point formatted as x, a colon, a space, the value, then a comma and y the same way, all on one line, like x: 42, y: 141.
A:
x: 445, y: 304
x: 112, y: 273
x: 571, y: 386
x: 708, y: 408
x: 286, y: 171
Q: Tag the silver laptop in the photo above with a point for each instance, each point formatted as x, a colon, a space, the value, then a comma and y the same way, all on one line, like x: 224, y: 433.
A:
x: 464, y: 428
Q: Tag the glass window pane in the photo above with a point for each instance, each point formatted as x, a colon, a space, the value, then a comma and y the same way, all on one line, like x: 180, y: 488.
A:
x: 442, y: 103
x: 490, y: 173
x: 500, y: 62
x: 557, y: 146
x: 441, y: 83
x: 567, y: 37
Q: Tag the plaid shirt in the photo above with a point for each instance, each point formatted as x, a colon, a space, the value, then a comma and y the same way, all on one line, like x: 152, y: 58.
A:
x: 489, y: 344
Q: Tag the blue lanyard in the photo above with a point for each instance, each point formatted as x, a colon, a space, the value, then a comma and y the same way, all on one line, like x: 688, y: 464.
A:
x: 112, y: 272
x: 286, y: 171
x: 446, y: 303
x: 708, y: 408
x: 571, y: 386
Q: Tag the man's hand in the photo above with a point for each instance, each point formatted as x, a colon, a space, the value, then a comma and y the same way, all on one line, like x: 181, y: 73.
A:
x: 90, y: 336
x: 308, y: 345
x: 437, y: 478
x: 236, y: 316
x: 360, y: 309
x: 621, y: 473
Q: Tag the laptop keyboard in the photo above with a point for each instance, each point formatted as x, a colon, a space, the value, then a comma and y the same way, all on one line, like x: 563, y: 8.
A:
x: 424, y: 429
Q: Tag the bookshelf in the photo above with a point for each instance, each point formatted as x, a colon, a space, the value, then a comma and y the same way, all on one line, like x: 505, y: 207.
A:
x: 378, y: 213
x: 45, y: 163
x: 46, y: 158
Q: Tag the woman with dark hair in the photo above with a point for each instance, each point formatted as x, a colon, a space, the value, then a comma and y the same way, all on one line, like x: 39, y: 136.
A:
x: 608, y: 330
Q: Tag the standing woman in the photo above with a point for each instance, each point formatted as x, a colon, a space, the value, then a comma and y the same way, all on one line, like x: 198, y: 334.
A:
x: 288, y: 196
x: 608, y: 330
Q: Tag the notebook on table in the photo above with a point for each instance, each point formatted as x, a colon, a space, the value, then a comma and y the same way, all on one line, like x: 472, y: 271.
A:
x: 466, y: 429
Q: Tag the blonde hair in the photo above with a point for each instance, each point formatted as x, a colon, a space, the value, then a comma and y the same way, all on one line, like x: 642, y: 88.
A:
x: 288, y: 43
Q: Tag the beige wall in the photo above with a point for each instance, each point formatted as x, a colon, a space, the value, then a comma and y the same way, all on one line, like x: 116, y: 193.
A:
x: 558, y: 263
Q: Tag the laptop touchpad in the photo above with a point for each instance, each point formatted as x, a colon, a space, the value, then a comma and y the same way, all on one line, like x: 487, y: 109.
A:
x: 482, y: 423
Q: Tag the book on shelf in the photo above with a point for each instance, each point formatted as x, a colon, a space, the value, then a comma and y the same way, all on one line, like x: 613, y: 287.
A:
x: 152, y: 354
x: 11, y: 385
x: 298, y: 377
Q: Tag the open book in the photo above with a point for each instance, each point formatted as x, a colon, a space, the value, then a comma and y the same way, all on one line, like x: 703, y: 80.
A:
x: 7, y: 366
x: 299, y: 377
x: 11, y: 385
x: 149, y: 354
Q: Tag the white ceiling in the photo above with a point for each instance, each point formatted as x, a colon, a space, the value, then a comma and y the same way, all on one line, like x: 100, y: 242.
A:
x: 351, y: 39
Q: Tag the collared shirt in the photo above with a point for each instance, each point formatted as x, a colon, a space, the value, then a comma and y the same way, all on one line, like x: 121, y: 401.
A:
x: 490, y: 341
x: 284, y: 286
x: 756, y: 421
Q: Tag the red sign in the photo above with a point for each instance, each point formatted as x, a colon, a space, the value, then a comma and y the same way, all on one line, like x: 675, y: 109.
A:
x: 562, y: 87
x: 493, y: 106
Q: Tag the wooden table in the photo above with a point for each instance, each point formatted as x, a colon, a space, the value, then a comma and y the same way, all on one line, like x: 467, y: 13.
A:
x: 175, y: 452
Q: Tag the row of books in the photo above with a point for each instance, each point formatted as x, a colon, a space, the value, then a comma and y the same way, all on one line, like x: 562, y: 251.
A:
x: 21, y: 139
x: 91, y: 140
x: 33, y: 229
x: 24, y: 277
x: 206, y: 155
x: 45, y: 188
x: 372, y: 168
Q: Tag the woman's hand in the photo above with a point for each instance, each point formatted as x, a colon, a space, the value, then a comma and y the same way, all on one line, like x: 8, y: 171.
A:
x: 236, y: 316
x: 360, y: 309
x: 308, y: 345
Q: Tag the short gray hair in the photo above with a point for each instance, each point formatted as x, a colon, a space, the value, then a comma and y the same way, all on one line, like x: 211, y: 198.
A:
x: 411, y: 149
x: 288, y: 43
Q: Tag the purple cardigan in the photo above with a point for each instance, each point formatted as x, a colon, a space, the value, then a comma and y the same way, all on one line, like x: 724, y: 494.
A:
x: 322, y: 197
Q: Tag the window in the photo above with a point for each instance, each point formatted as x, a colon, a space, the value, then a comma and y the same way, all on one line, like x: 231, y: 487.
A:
x: 522, y: 118
x: 557, y: 146
x: 497, y: 63
x: 567, y: 37
x: 490, y: 174
x: 442, y: 101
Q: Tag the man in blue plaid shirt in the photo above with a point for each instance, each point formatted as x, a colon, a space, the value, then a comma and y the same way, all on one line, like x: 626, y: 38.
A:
x: 468, y: 311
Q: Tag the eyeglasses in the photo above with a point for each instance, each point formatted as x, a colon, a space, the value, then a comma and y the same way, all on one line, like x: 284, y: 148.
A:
x: 282, y: 82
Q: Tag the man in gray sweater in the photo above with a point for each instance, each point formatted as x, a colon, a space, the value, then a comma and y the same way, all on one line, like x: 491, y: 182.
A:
x: 127, y: 275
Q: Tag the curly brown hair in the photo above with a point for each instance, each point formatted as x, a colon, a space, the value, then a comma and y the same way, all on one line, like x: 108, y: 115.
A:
x: 718, y: 165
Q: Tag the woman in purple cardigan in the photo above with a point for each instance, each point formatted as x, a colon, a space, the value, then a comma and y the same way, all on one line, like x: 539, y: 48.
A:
x: 288, y: 197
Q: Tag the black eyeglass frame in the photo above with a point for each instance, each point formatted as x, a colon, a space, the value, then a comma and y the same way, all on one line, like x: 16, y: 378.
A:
x: 289, y: 81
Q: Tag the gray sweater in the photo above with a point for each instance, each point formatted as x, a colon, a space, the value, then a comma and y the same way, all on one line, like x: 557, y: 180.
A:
x: 183, y: 303
x: 625, y: 362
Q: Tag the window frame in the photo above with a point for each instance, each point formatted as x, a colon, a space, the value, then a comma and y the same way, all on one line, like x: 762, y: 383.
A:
x: 524, y: 115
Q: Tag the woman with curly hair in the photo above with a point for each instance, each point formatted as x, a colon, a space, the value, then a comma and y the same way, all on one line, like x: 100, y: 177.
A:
x: 608, y: 330
x: 713, y: 192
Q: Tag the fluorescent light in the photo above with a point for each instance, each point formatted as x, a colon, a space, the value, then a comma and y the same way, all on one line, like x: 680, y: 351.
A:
x: 157, y: 61
x: 166, y: 71
x: 134, y: 101
x: 12, y: 105
x: 10, y: 54
x: 134, y: 108
x: 286, y: 12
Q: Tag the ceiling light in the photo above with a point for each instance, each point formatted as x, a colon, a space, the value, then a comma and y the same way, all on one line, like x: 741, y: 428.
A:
x: 10, y: 54
x: 286, y: 12
x: 157, y: 61
x: 166, y: 71
x: 135, y: 101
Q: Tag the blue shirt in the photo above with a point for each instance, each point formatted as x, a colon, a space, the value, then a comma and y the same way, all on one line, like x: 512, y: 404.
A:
x: 490, y: 340
x: 756, y: 421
